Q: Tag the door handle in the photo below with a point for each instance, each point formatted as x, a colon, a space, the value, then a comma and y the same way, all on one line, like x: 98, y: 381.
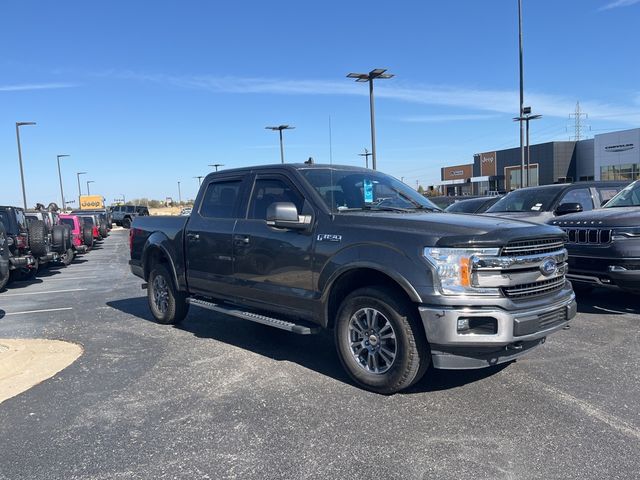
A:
x: 242, y: 239
x: 194, y: 236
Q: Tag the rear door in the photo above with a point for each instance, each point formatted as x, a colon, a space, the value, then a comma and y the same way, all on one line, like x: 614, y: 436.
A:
x: 209, y: 237
x: 273, y: 265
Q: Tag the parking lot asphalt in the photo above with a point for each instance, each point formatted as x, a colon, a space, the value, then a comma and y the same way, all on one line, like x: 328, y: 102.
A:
x: 219, y: 397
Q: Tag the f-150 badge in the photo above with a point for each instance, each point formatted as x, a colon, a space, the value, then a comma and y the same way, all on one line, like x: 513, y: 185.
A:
x: 327, y: 237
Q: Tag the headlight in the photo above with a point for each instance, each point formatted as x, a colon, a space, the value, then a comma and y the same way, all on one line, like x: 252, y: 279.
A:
x: 625, y: 232
x: 454, y: 269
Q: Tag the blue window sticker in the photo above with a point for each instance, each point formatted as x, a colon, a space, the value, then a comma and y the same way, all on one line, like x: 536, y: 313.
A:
x: 368, y: 191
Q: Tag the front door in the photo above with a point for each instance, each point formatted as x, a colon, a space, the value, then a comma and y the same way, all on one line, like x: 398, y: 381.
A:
x: 273, y: 265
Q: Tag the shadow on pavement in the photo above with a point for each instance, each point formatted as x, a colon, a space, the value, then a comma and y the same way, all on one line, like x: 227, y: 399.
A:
x: 608, y: 301
x: 315, y: 352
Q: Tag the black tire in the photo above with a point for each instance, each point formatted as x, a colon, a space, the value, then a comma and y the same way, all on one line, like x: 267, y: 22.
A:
x: 68, y: 237
x: 67, y: 257
x: 4, y: 280
x: 103, y: 230
x: 168, y: 306
x: 406, y: 339
x: 126, y: 222
x: 87, y: 235
x: 58, y: 236
x: 38, y: 238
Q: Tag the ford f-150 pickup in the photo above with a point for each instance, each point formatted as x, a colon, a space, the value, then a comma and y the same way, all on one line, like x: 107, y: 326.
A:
x: 401, y: 284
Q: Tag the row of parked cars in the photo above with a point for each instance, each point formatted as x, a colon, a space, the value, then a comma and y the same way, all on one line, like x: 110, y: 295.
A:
x: 33, y: 239
x: 601, y: 220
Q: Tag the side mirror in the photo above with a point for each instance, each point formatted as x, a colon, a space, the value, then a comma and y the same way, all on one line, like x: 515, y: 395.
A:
x: 285, y: 215
x: 567, y: 208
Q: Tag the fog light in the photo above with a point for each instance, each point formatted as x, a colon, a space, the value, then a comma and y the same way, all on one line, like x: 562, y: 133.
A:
x: 463, y: 324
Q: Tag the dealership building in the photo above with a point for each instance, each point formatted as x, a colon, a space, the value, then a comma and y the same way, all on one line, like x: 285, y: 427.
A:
x: 609, y: 156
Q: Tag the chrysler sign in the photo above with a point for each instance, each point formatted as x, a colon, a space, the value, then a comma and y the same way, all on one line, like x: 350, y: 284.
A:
x: 619, y: 148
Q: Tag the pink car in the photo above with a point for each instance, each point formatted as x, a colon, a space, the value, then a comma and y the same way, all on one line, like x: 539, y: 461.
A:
x: 81, y: 233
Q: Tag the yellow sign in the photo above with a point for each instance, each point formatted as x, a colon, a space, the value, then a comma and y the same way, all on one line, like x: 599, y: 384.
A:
x: 91, y: 202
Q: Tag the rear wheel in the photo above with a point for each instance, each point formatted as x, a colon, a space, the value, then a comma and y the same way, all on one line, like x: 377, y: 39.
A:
x: 67, y: 257
x: 4, y: 279
x: 126, y: 222
x: 87, y: 236
x: 380, y: 341
x: 167, y: 304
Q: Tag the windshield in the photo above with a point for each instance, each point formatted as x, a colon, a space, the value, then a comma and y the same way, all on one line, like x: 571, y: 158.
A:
x: 527, y: 200
x: 344, y: 190
x: 628, y: 197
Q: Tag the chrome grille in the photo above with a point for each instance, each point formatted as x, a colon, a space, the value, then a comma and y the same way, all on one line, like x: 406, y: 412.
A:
x: 535, y: 288
x: 533, y: 247
x: 594, y: 236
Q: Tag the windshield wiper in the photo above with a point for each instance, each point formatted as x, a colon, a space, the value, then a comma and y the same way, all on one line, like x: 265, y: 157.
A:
x: 369, y: 208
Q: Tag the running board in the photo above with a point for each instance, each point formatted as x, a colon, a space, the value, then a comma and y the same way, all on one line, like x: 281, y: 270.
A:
x: 254, y: 317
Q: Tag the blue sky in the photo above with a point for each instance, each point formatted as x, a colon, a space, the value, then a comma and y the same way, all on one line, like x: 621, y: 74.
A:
x: 145, y: 94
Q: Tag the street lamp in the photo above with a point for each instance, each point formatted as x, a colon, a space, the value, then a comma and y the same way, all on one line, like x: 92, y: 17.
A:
x: 366, y: 156
x: 525, y: 118
x: 216, y: 165
x: 370, y: 77
x: 88, y: 182
x: 18, y: 125
x: 64, y: 205
x: 79, y: 190
x: 179, y: 195
x: 279, y: 128
x: 521, y: 95
x: 199, y: 177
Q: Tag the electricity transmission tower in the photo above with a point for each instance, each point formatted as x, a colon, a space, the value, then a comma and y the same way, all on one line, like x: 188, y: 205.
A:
x: 578, y: 126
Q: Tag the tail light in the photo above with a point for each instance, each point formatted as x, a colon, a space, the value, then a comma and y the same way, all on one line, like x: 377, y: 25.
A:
x: 21, y: 242
x: 131, y: 241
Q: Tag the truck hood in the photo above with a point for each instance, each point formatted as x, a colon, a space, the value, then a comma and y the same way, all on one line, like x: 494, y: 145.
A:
x: 452, y: 230
x: 604, y: 217
x: 534, y: 217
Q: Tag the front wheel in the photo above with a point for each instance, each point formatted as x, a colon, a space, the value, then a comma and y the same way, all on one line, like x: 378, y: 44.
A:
x: 67, y: 257
x: 380, y: 341
x: 168, y: 305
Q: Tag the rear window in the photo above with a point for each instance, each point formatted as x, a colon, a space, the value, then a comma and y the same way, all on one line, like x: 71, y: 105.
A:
x: 67, y: 221
x: 130, y: 209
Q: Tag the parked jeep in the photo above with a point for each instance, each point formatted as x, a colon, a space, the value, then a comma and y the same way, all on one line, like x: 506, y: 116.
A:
x: 82, y: 235
x: 4, y: 257
x: 23, y: 264
x: 123, y: 215
x: 604, y: 245
x: 57, y: 237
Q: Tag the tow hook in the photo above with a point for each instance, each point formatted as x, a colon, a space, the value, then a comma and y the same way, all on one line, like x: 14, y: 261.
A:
x: 566, y: 327
x: 514, y: 346
x: 144, y: 286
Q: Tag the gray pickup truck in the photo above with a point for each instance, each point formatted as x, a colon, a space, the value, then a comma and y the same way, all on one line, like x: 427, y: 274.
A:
x: 402, y: 284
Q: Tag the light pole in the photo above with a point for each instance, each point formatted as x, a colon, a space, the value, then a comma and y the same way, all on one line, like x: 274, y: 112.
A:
x: 79, y: 189
x: 199, y: 177
x: 366, y: 156
x: 216, y: 165
x: 525, y: 118
x: 64, y: 205
x: 370, y: 77
x: 24, y: 193
x: 521, y: 94
x: 88, y: 182
x: 280, y: 128
x: 179, y: 195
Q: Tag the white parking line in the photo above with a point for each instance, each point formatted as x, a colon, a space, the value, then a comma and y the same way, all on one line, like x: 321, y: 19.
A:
x: 38, y: 311
x: 42, y: 293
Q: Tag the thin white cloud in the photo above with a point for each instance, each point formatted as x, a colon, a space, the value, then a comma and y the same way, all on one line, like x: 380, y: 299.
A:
x: 618, y: 3
x: 484, y: 100
x: 35, y: 86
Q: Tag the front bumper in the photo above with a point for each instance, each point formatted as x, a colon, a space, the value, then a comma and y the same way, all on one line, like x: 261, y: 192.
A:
x: 516, y: 332
x: 606, y: 271
x: 21, y: 262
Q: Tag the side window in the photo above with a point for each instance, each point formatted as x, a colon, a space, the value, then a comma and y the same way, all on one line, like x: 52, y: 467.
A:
x: 272, y: 190
x: 607, y: 194
x: 221, y: 199
x: 579, y: 195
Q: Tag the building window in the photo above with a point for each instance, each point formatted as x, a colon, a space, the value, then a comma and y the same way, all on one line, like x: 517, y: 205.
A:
x: 627, y: 172
x: 512, y: 177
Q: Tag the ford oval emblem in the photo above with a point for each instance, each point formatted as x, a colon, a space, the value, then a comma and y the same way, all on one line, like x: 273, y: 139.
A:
x: 548, y: 267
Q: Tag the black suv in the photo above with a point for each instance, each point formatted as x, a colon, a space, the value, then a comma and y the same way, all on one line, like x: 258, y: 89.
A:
x: 541, y: 204
x: 604, y: 245
x: 23, y: 248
